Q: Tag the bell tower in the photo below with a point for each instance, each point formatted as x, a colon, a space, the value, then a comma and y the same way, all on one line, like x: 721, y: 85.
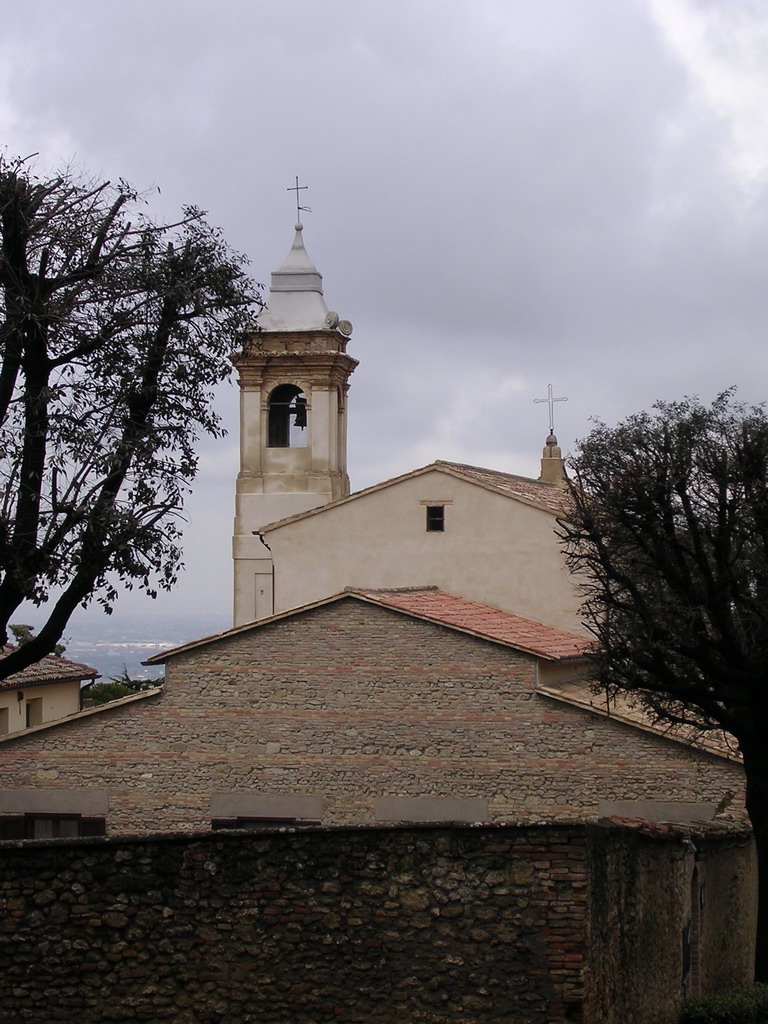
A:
x: 293, y: 372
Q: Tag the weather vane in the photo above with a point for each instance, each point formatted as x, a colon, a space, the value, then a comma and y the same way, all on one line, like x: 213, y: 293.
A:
x: 550, y: 402
x: 299, y: 188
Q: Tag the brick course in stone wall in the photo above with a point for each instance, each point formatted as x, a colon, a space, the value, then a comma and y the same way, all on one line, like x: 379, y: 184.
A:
x: 350, y: 703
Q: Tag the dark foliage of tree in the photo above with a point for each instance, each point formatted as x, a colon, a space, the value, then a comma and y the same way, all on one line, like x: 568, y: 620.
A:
x: 113, y: 332
x: 121, y: 685
x: 669, y: 533
x: 22, y: 633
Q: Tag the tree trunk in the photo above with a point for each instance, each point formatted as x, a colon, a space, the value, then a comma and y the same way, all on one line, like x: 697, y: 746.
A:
x: 756, y: 769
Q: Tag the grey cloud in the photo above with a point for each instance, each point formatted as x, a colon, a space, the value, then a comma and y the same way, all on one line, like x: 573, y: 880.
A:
x: 513, y: 193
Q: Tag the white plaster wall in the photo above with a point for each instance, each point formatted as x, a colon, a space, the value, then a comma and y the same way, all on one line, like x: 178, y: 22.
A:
x: 494, y: 549
x: 322, y: 426
x: 59, y: 700
x: 250, y: 429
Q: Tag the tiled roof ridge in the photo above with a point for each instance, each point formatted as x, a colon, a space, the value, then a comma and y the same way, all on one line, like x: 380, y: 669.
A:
x: 463, y: 466
x: 50, y: 669
x: 57, y: 659
x: 393, y: 590
x: 542, y: 493
x: 434, y: 589
x: 573, y: 644
x: 484, y: 620
x: 579, y: 695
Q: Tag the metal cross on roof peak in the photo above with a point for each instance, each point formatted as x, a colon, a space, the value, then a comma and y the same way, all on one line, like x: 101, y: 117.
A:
x: 551, y: 403
x: 299, y: 188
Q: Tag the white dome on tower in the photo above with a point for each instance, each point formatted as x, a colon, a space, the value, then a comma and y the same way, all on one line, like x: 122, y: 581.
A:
x: 295, y: 301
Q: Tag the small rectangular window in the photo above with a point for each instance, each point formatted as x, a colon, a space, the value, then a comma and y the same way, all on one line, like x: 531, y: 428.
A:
x: 34, y: 711
x: 435, y: 518
x: 59, y: 827
x: 50, y: 826
x: 4, y: 721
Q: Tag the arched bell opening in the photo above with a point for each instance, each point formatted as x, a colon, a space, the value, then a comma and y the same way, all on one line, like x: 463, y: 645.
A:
x: 287, y: 424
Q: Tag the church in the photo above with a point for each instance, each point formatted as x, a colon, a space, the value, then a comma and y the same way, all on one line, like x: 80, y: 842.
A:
x: 411, y: 652
x: 300, y: 535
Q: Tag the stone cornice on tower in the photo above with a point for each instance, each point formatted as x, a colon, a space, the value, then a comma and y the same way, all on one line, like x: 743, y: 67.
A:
x: 263, y: 343
x: 265, y: 347
x: 272, y: 356
x: 321, y: 369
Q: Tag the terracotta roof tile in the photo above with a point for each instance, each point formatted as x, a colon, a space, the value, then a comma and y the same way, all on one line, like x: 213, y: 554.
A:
x: 483, y: 620
x: 556, y: 498
x: 49, y: 670
x: 436, y: 606
x: 625, y: 708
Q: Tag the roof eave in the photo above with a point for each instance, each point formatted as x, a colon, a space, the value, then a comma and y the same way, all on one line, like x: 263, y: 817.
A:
x: 112, y: 705
x: 617, y: 716
x: 164, y: 656
x: 437, y: 466
x: 9, y: 684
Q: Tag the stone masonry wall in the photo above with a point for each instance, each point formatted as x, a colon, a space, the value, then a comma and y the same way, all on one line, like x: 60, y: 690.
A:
x: 351, y: 703
x: 671, y: 913
x: 727, y: 896
x: 420, y: 924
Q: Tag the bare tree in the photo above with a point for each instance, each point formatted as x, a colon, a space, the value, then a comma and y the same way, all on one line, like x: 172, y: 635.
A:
x: 669, y: 531
x: 113, y: 332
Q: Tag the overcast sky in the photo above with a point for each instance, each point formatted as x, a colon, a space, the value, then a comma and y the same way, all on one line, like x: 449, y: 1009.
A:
x: 504, y: 193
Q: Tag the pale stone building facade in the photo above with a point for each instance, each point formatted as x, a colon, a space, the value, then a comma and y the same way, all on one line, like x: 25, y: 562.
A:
x: 485, y: 535
x: 300, y: 536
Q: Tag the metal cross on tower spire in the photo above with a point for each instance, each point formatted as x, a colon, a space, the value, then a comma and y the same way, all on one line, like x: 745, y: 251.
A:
x: 551, y: 403
x: 299, y: 188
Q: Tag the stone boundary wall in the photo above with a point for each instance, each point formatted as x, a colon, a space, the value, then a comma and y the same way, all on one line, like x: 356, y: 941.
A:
x: 672, y: 912
x: 422, y: 924
x: 406, y: 925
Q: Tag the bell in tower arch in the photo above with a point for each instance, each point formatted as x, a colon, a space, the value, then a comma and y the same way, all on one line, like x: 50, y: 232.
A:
x: 287, y: 409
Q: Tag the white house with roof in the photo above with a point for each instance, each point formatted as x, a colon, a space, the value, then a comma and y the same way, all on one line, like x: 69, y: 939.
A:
x: 44, y: 692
